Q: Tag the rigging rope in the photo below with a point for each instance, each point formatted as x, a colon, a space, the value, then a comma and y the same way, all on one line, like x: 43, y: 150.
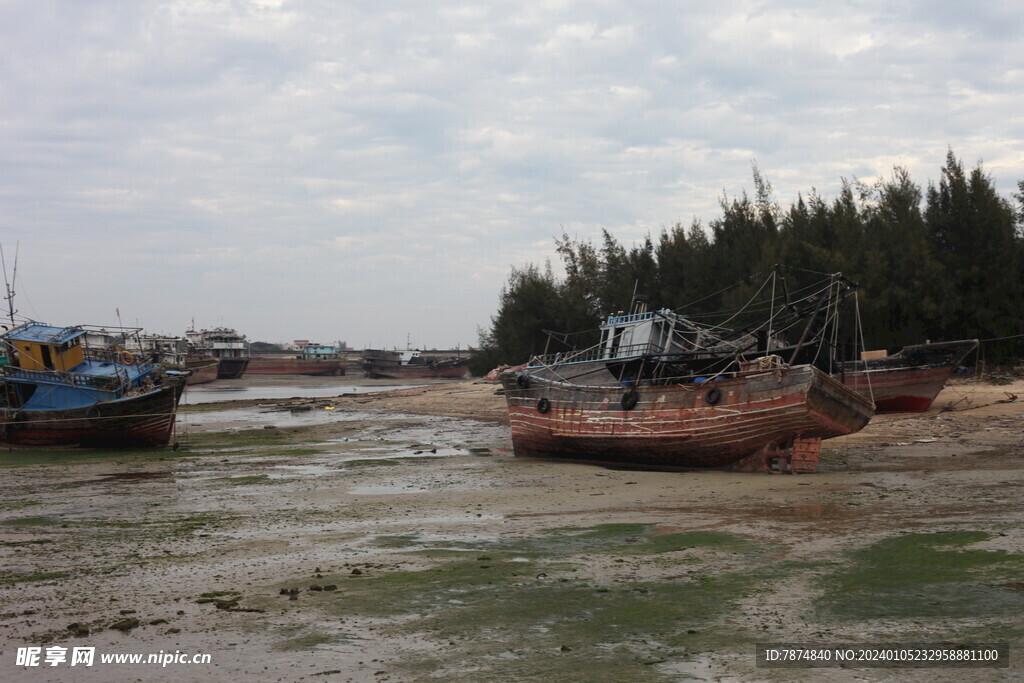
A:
x: 863, y: 346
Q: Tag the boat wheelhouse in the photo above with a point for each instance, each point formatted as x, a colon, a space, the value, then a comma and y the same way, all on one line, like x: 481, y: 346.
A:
x: 230, y: 348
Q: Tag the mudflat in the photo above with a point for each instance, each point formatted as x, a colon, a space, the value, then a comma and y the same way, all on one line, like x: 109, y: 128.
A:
x: 394, y: 537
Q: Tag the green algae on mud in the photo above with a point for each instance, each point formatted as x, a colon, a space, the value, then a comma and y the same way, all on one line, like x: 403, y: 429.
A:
x: 613, y: 539
x: 174, y: 526
x: 386, y: 461
x: 12, y: 505
x: 31, y: 521
x: 270, y: 435
x: 11, y: 578
x: 534, y: 605
x: 640, y: 601
x: 242, y: 438
x: 209, y: 407
x: 925, y: 575
x: 297, y: 452
x: 637, y: 539
x: 247, y: 480
x: 19, y: 457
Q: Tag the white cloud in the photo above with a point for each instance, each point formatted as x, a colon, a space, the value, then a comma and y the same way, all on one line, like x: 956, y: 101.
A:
x: 397, y: 151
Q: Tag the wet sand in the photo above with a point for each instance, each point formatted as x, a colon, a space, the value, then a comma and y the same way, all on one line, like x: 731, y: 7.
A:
x: 392, y: 536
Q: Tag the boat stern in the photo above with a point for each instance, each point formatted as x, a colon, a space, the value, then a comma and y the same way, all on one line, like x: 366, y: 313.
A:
x: 837, y: 408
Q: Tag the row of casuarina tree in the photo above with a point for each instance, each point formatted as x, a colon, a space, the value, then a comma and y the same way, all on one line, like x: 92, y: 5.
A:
x: 940, y: 264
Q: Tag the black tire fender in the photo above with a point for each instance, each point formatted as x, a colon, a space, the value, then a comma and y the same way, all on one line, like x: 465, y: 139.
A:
x: 713, y: 396
x: 522, y: 381
x: 543, y: 406
x: 629, y: 399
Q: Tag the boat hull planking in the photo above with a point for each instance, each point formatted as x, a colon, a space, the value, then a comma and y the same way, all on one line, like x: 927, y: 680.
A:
x: 146, y: 420
x: 709, y: 425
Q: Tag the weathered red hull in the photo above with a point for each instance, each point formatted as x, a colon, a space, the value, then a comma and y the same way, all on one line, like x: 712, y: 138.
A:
x: 383, y: 371
x: 908, y: 381
x: 295, y: 366
x: 900, y: 390
x: 146, y: 420
x: 679, y: 425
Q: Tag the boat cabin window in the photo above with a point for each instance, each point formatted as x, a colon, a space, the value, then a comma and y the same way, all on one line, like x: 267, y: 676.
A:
x: 616, y: 341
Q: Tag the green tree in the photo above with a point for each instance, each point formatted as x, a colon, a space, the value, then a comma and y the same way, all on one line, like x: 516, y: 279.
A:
x: 953, y: 270
x: 974, y: 234
x: 529, y: 304
x: 903, y: 282
x: 744, y: 245
x: 679, y: 257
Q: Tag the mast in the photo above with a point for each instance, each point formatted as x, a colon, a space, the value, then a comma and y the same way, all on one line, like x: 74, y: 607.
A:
x: 9, y: 283
x: 810, y: 321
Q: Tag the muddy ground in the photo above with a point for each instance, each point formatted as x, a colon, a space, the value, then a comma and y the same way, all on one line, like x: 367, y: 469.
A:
x: 393, y: 537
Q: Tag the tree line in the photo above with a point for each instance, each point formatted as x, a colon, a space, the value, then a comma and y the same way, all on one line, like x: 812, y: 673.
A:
x: 937, y: 264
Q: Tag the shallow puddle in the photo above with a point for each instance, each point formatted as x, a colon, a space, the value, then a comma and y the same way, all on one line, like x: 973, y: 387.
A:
x: 387, y: 453
x: 132, y: 477
x: 384, y: 490
x: 805, y: 512
x: 292, y: 471
x: 225, y: 392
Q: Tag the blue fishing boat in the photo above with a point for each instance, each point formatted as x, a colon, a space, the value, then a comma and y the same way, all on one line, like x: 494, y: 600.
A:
x: 84, y: 386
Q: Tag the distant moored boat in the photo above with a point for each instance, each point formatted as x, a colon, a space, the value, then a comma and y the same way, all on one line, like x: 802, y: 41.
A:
x: 411, y: 364
x: 230, y: 348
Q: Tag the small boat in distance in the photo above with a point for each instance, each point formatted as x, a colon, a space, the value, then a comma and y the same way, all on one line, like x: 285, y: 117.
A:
x: 651, y: 394
x: 411, y: 364
x: 171, y: 353
x: 62, y: 390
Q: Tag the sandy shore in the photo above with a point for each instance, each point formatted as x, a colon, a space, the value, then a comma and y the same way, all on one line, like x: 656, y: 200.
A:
x: 392, y: 536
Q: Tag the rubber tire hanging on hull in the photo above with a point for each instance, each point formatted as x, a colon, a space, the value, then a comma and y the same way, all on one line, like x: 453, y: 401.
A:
x: 713, y: 396
x: 629, y: 400
x: 543, y: 406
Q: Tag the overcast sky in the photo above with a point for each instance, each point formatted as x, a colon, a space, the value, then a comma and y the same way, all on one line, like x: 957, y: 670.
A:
x: 369, y: 171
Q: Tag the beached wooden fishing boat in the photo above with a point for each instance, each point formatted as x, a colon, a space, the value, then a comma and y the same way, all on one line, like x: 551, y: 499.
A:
x: 61, y: 391
x: 677, y: 424
x: 907, y: 381
x: 633, y: 400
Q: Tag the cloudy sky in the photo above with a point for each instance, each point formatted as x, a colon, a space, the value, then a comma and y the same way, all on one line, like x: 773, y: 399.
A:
x: 369, y: 171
